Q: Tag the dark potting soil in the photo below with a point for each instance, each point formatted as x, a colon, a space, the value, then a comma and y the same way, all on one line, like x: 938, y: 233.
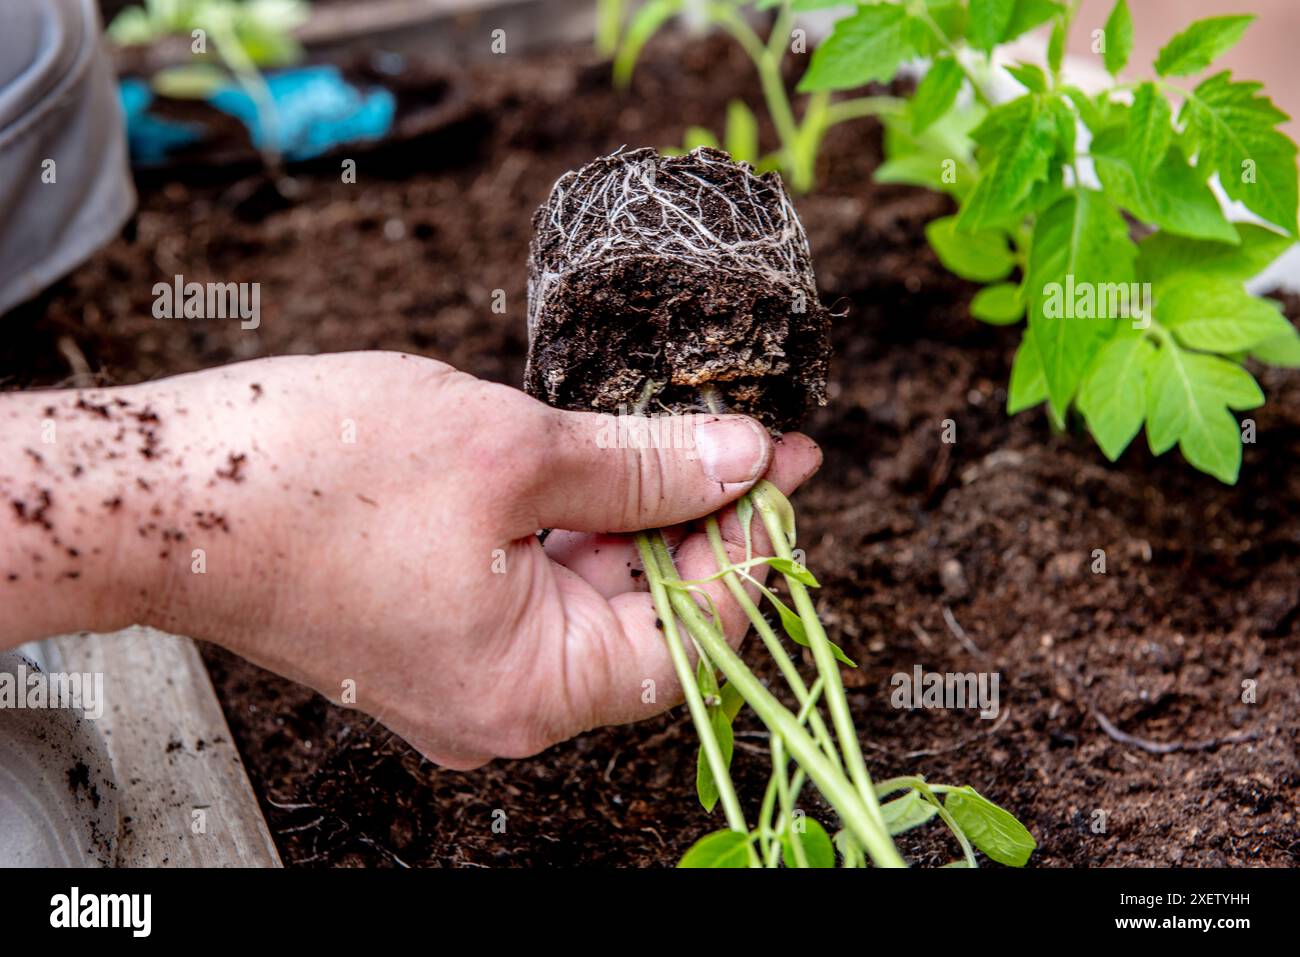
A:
x: 976, y: 555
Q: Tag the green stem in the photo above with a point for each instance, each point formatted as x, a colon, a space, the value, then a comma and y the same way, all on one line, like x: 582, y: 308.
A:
x: 827, y: 666
x: 768, y: 66
x: 862, y: 106
x: 838, y: 790
x: 245, y: 71
x: 787, y: 803
x: 771, y: 642
x: 928, y: 791
x: 694, y: 701
x: 947, y: 44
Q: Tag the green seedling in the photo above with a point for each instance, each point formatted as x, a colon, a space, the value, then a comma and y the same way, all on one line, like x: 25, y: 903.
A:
x: 1093, y: 216
x: 246, y: 37
x: 805, y: 747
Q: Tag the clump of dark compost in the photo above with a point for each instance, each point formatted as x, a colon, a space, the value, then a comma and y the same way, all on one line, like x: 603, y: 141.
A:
x: 655, y: 283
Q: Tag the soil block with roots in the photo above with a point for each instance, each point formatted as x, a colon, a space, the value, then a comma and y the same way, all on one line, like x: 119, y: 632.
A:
x: 674, y: 283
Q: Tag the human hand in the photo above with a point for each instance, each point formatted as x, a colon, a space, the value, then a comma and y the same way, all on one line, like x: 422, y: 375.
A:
x: 367, y: 527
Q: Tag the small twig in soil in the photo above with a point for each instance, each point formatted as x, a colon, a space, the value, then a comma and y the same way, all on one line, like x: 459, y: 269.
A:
x: 946, y: 749
x: 1166, y: 747
x: 960, y: 633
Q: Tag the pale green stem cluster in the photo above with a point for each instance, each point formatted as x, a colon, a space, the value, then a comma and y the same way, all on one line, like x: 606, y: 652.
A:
x: 834, y: 764
x: 800, y: 138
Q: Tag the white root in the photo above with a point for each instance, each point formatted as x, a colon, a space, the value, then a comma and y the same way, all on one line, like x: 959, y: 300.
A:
x: 639, y: 205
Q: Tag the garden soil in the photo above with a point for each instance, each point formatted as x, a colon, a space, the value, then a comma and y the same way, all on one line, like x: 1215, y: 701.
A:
x: 1148, y: 713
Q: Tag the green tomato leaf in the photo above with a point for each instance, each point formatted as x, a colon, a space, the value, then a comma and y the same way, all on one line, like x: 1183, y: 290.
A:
x: 1150, y: 128
x: 850, y: 850
x: 982, y: 256
x: 993, y: 830
x: 719, y: 849
x: 1031, y: 77
x: 906, y: 812
x: 1118, y: 34
x: 645, y: 23
x: 1028, y: 385
x: 1200, y: 44
x: 792, y: 624
x: 1231, y: 130
x: 817, y: 847
x: 869, y: 45
x: 1028, y: 14
x: 742, y: 133
x: 1173, y: 195
x: 1163, y: 257
x: 1112, y: 396
x: 1189, y: 396
x: 706, y: 785
x: 998, y: 305
x: 1018, y: 139
x: 1056, y: 46
x: 1283, y: 351
x: 989, y: 20
x: 1215, y: 314
x: 936, y: 93
x: 795, y: 571
x: 939, y: 158
x: 1087, y: 108
x: 699, y: 136
x: 732, y: 701
x: 1080, y: 244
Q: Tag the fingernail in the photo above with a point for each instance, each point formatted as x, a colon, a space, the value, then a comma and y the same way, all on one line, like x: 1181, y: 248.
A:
x: 732, y: 449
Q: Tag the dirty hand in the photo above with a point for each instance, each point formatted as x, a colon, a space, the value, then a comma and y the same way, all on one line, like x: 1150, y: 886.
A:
x: 365, y: 523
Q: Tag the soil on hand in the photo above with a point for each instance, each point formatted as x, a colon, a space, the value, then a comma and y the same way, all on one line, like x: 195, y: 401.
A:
x: 1143, y: 595
x: 653, y: 280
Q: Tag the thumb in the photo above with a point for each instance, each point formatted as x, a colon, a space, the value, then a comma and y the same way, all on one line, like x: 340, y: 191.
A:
x: 607, y: 473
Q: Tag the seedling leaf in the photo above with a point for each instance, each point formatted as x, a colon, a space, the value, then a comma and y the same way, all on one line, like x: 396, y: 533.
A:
x: 1214, y: 314
x: 993, y: 830
x: 1162, y: 256
x: 1113, y: 395
x: 1028, y: 14
x: 1189, y: 396
x: 1081, y: 242
x: 645, y: 23
x: 1200, y: 44
x: 936, y: 92
x: 1028, y: 385
x: 742, y: 133
x: 719, y: 849
x: 868, y: 46
x: 817, y: 847
x: 989, y: 20
x: 1231, y: 130
x: 1018, y: 139
x: 1119, y: 38
x: 706, y: 786
x: 982, y: 256
x: 998, y: 305
x: 1283, y: 351
x: 907, y: 812
x: 795, y: 571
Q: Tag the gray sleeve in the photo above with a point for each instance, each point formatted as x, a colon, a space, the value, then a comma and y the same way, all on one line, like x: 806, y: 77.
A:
x: 65, y: 180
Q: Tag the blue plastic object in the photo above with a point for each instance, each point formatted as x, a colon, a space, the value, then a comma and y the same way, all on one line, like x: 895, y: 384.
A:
x: 315, y: 111
x: 149, y: 138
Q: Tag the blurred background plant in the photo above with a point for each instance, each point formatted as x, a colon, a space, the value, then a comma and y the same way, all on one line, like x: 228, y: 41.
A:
x: 246, y: 37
